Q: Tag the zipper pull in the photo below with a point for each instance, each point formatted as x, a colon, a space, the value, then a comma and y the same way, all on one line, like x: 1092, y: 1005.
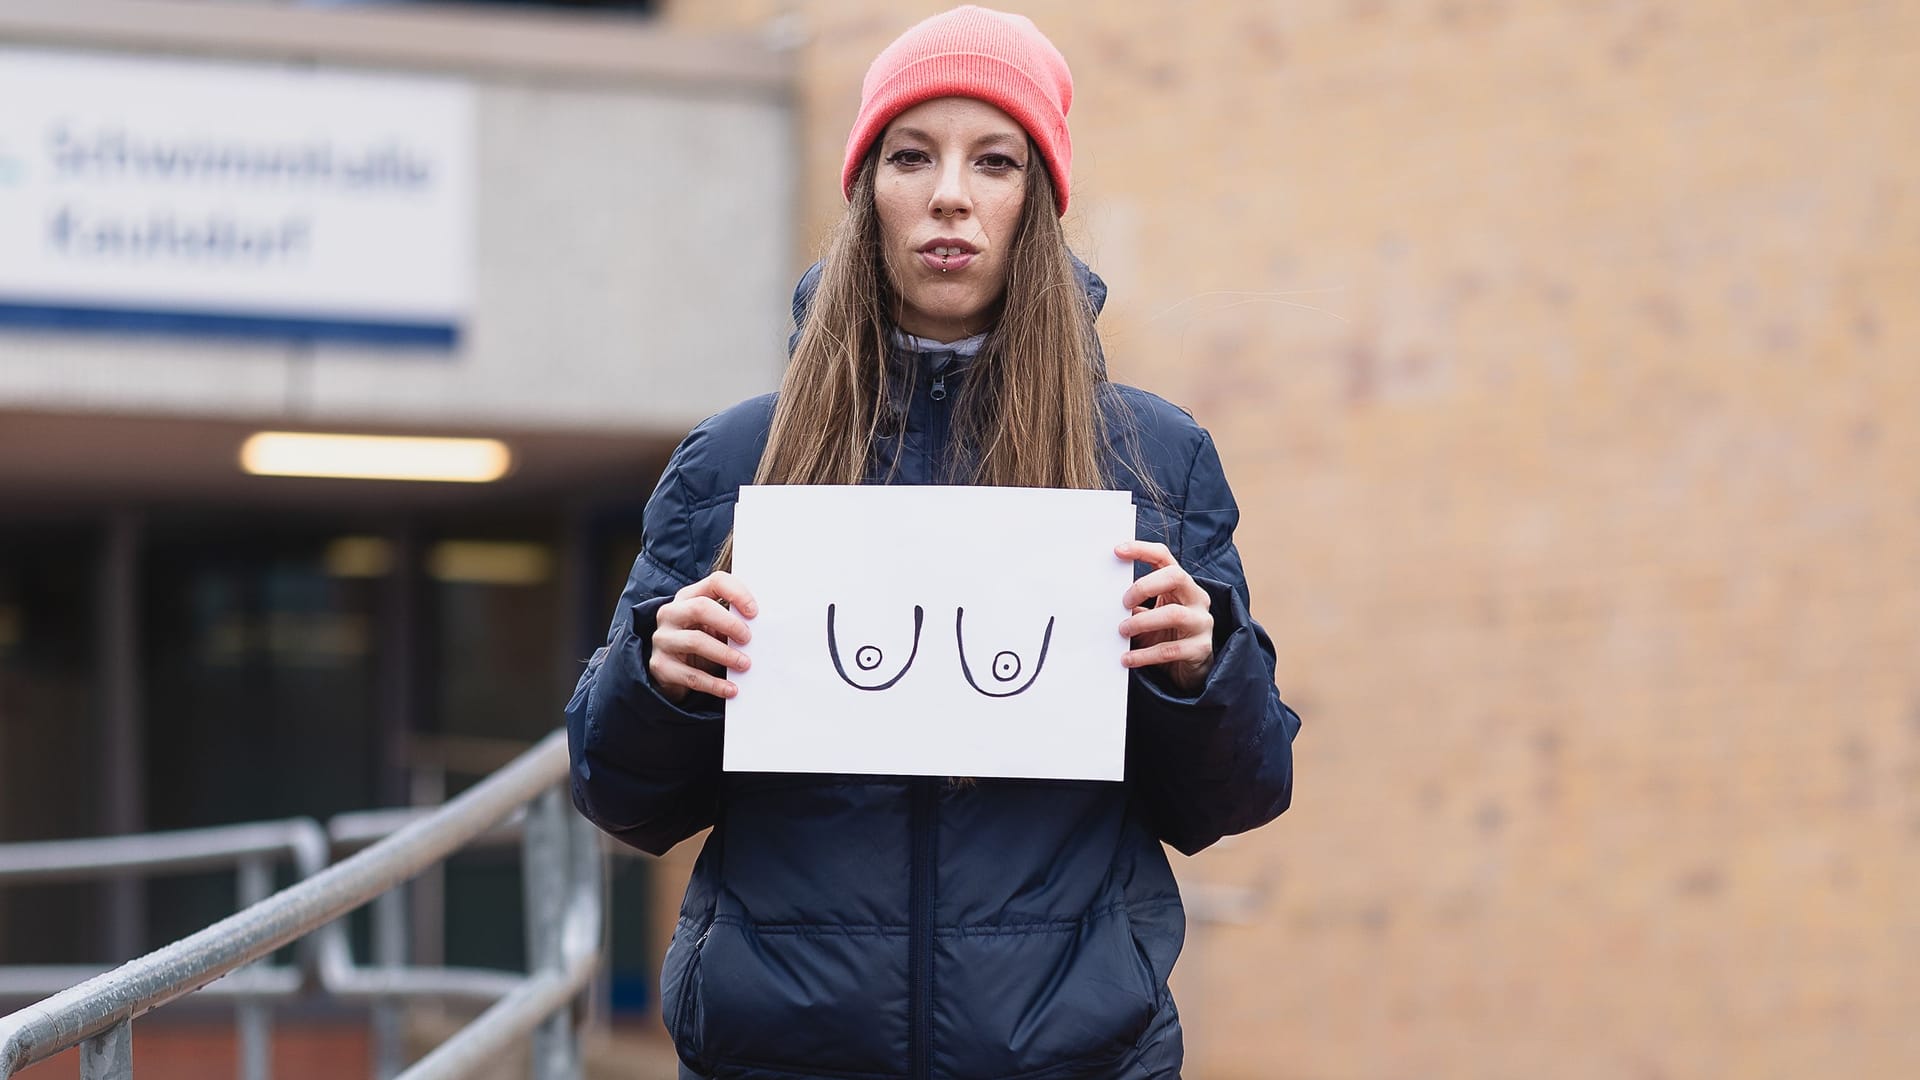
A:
x: 939, y: 391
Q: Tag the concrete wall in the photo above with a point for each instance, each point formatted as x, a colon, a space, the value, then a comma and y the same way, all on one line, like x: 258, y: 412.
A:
x: 1562, y: 354
x: 634, y: 229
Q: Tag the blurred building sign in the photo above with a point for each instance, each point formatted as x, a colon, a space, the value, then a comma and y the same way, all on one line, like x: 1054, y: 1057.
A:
x: 212, y: 197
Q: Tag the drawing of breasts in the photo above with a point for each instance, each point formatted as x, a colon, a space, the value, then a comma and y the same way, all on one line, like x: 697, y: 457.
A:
x: 1007, y: 665
x: 868, y: 661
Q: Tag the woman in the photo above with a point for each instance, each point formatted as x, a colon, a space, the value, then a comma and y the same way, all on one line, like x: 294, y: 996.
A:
x: 919, y: 927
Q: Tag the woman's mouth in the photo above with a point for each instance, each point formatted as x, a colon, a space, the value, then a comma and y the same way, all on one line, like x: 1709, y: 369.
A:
x: 947, y: 255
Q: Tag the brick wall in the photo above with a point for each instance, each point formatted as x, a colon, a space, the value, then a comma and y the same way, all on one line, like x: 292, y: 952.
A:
x: 1563, y: 357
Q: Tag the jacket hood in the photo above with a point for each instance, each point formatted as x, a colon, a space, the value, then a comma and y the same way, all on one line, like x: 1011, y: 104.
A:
x: 1095, y: 288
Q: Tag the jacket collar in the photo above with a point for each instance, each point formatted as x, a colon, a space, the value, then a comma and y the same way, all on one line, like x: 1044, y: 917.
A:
x: 964, y: 349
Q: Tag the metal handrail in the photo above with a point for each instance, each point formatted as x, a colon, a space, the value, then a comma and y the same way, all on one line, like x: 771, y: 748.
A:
x: 356, y: 829
x: 248, y: 849
x: 34, y: 981
x: 563, y: 943
x: 564, y: 937
x: 330, y: 963
x: 49, y: 861
x: 245, y: 848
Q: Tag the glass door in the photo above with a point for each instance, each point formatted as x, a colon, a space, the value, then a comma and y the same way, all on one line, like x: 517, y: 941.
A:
x: 49, y: 733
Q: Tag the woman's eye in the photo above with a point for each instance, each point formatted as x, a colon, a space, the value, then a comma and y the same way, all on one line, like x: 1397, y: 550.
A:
x: 907, y: 158
x: 998, y: 163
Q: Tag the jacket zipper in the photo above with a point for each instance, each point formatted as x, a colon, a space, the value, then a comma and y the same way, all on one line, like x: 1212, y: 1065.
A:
x: 939, y: 427
x: 922, y: 823
x: 920, y: 930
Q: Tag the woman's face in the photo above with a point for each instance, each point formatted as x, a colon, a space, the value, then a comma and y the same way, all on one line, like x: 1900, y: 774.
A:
x: 949, y: 187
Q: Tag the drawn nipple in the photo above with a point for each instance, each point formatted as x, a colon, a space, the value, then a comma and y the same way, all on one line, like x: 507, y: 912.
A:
x: 1006, y: 663
x: 1006, y: 667
x: 868, y: 657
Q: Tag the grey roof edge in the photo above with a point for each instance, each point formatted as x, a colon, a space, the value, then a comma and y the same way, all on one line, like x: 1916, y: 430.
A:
x: 445, y: 38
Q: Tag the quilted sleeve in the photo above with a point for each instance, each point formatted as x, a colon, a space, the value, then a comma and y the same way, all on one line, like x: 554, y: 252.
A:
x: 643, y: 768
x: 1218, y: 760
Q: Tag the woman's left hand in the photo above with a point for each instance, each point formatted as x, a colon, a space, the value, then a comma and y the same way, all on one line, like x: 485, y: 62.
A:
x: 1178, y: 629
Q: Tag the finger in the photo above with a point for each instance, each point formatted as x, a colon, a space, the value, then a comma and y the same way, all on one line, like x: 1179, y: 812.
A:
x: 1191, y: 650
x: 1184, y: 621
x: 1146, y: 551
x: 688, y: 645
x: 705, y: 613
x: 671, y: 672
x: 724, y: 586
x: 1172, y: 582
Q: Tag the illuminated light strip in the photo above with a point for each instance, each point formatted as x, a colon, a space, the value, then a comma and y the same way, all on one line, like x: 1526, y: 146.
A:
x: 358, y: 557
x: 490, y: 562
x: 375, y: 457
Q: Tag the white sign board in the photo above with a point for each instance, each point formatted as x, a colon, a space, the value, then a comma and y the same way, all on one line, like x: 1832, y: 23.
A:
x: 229, y: 195
x: 935, y: 631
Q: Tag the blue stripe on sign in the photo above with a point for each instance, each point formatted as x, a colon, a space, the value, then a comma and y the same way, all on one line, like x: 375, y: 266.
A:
x: 214, y: 324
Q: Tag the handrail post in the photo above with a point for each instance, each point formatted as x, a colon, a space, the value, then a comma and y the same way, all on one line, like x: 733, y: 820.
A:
x: 588, y: 887
x: 389, y: 953
x: 427, y: 899
x: 256, y: 1054
x: 109, y: 1055
x: 546, y: 869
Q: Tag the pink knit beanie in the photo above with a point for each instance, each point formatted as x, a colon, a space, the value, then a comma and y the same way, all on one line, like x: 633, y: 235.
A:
x: 974, y: 52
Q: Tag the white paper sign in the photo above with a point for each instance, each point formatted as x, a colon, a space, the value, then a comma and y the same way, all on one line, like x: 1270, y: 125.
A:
x: 937, y: 631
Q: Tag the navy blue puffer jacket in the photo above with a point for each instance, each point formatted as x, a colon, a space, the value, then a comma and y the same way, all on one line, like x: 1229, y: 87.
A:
x: 880, y: 927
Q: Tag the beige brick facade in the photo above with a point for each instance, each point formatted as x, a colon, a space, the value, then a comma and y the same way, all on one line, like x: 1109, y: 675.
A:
x: 1563, y: 355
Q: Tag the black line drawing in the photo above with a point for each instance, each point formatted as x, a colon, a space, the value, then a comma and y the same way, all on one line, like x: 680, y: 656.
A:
x: 868, y: 657
x: 1006, y: 664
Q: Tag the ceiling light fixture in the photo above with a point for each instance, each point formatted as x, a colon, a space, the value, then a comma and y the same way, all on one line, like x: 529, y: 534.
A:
x: 375, y: 457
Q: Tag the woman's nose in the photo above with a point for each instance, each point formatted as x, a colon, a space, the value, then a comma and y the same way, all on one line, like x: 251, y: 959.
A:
x: 951, y: 198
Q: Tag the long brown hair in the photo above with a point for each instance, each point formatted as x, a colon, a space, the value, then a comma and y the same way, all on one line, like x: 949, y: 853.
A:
x: 1029, y: 418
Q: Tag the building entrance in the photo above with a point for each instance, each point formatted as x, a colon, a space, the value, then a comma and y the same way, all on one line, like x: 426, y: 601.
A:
x: 181, y: 668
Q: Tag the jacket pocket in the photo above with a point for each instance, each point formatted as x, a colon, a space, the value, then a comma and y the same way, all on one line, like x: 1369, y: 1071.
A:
x: 803, y: 999
x: 1150, y: 982
x: 680, y: 992
x: 1048, y: 1001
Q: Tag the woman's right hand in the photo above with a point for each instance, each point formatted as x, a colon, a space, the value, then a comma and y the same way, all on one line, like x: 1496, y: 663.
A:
x: 694, y: 636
